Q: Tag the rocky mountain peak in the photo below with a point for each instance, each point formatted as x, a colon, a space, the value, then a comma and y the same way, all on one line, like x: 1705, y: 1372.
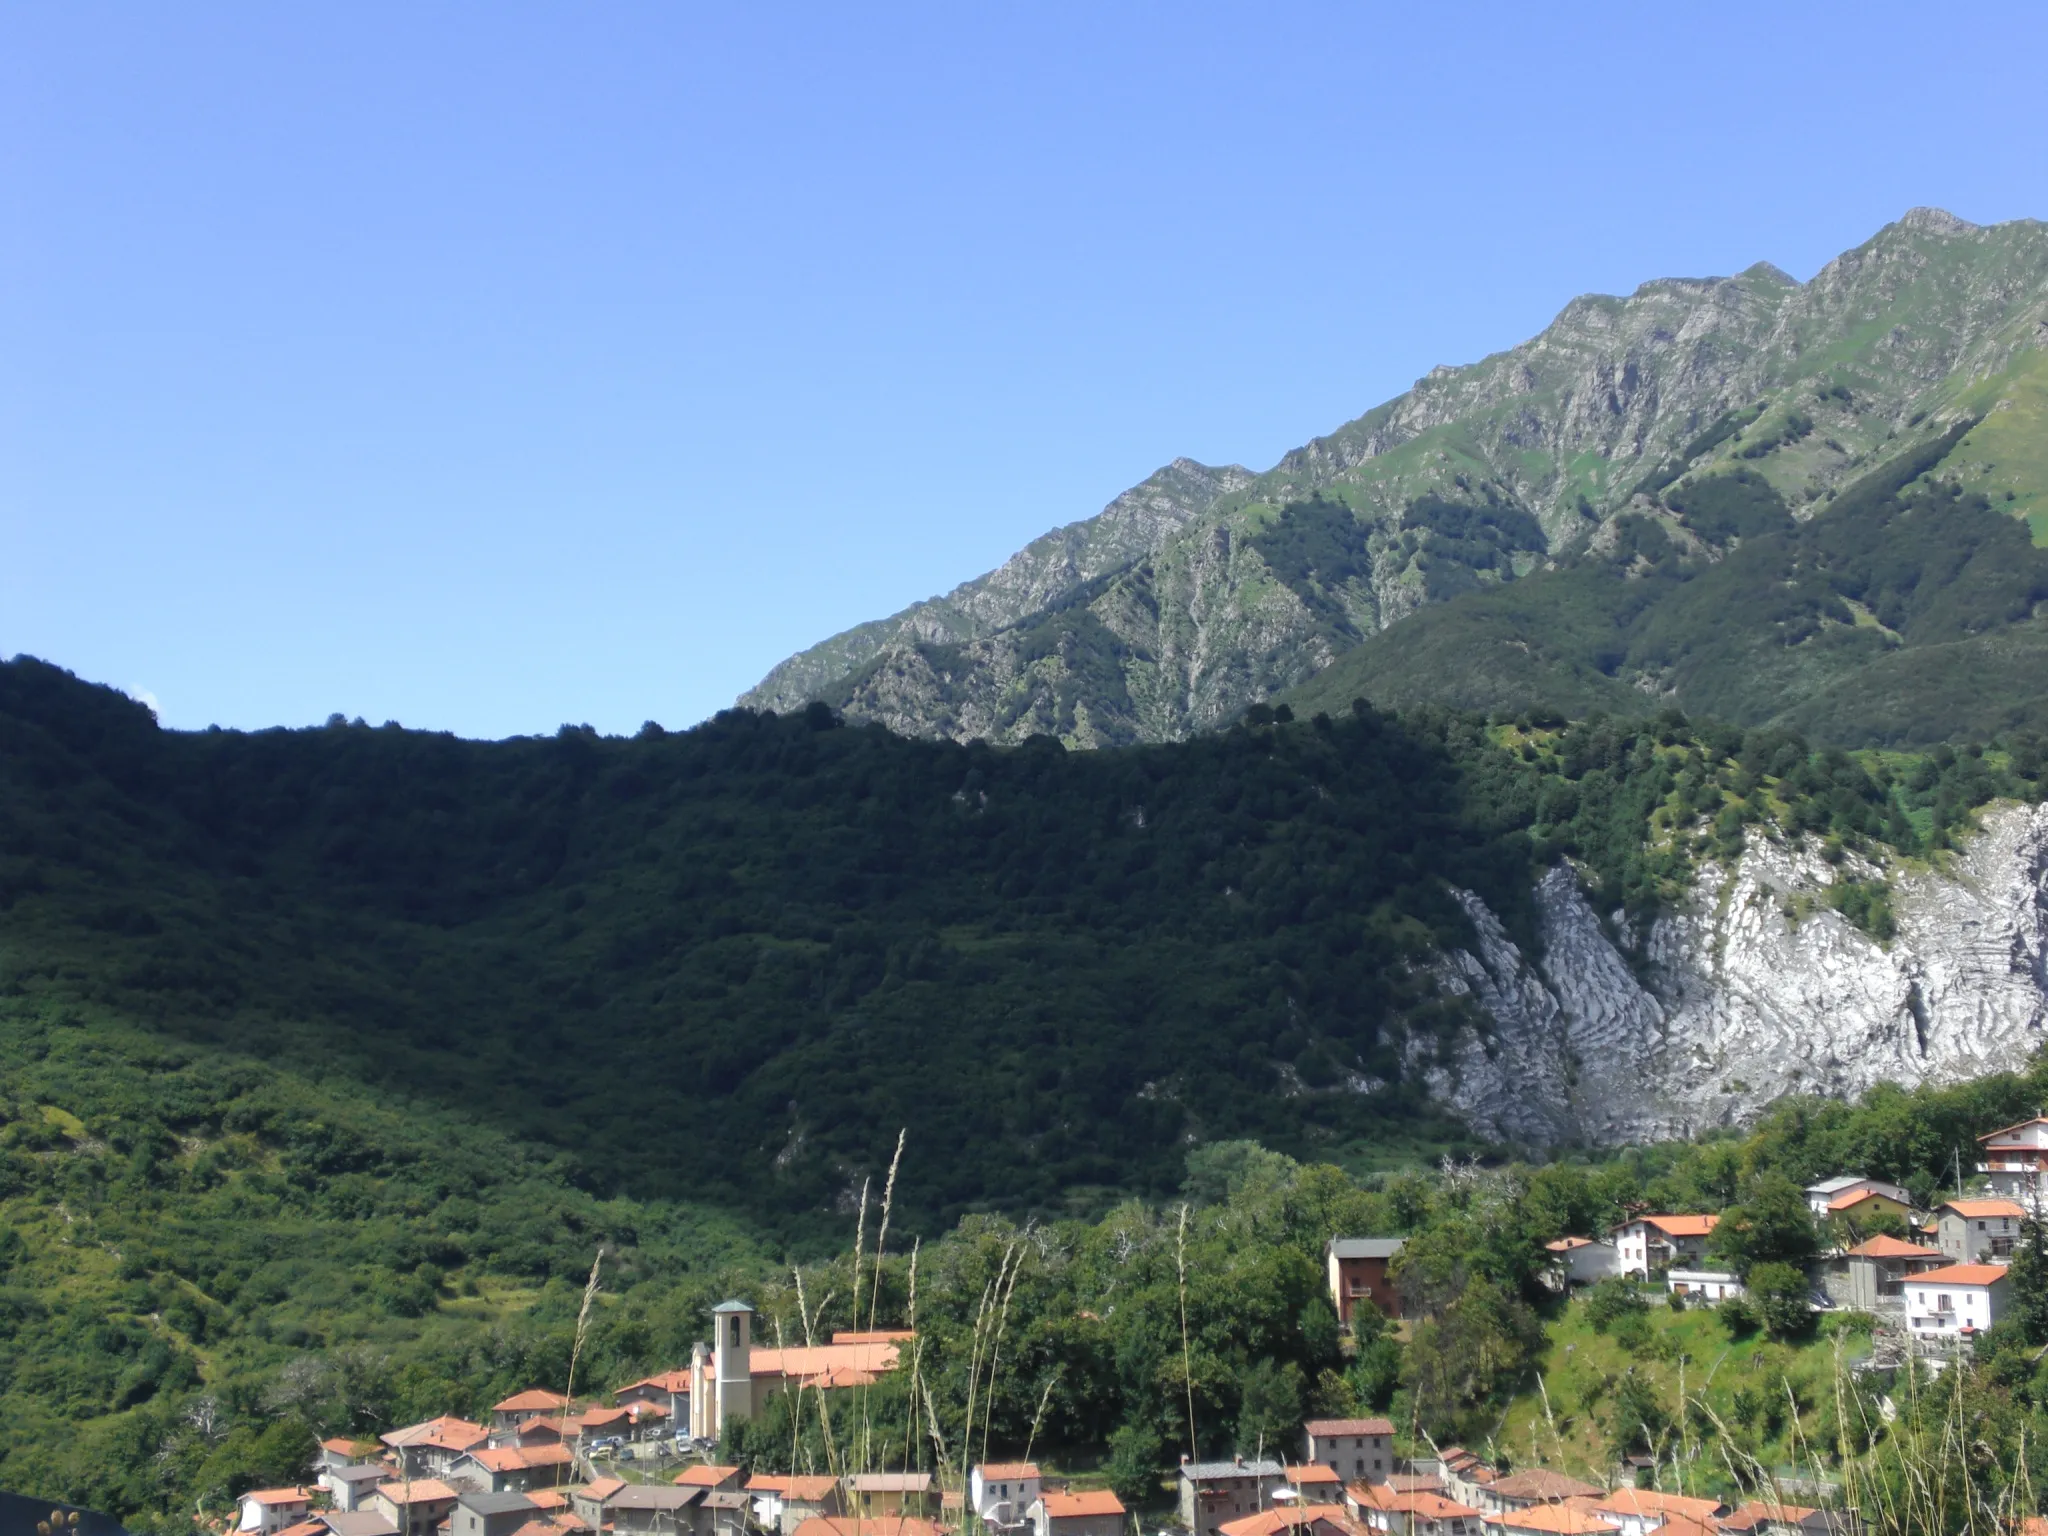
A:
x: 1938, y: 221
x: 1203, y: 590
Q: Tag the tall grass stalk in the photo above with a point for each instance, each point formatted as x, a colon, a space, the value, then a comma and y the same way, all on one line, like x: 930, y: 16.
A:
x: 867, y: 1458
x: 996, y: 1349
x: 590, y: 1289
x: 1187, y: 1368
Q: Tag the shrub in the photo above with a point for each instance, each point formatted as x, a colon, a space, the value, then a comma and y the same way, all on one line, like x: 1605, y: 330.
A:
x: 1779, y: 1294
x: 1611, y: 1300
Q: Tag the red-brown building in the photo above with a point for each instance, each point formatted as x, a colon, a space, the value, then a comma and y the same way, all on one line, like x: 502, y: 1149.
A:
x: 1358, y: 1273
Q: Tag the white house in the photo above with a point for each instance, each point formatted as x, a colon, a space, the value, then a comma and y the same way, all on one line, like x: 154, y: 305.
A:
x: 1708, y: 1285
x: 1582, y: 1260
x: 1957, y: 1302
x: 1659, y: 1242
x: 2016, y: 1158
x: 1828, y: 1192
x: 265, y: 1510
x: 1002, y: 1492
x: 1978, y: 1231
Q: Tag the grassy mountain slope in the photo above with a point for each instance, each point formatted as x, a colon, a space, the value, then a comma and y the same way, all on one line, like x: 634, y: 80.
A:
x: 1904, y: 610
x: 1485, y: 475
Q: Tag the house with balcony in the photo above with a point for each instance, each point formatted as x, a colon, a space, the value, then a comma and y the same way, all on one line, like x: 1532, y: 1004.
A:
x: 1002, y: 1492
x: 1358, y: 1274
x: 1646, y: 1243
x: 2015, y: 1158
x: 1978, y: 1231
x: 1957, y: 1302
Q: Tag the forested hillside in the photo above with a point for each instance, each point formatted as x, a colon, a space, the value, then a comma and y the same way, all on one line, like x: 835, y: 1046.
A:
x: 1057, y: 967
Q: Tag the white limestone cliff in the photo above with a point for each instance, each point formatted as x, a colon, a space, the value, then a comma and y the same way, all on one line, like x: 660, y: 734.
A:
x: 1754, y: 989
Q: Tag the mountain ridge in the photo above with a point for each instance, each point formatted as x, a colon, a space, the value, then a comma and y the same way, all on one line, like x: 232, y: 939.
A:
x: 1573, y: 429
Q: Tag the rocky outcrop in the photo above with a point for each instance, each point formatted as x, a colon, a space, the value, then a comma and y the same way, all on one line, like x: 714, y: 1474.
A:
x: 1755, y: 988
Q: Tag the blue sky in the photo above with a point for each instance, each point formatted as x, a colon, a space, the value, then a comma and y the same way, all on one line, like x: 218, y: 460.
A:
x: 491, y: 367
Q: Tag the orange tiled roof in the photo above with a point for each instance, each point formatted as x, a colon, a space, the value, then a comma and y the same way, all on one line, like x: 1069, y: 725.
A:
x: 1323, y: 1427
x: 1976, y: 1208
x: 278, y: 1495
x: 423, y: 1490
x: 1009, y: 1470
x: 1069, y: 1506
x: 1748, y: 1516
x: 601, y: 1488
x: 1849, y: 1197
x: 1648, y: 1501
x: 1678, y: 1226
x: 1552, y: 1520
x: 533, y: 1400
x: 875, y: 1336
x: 1313, y: 1472
x: 810, y: 1490
x: 520, y: 1458
x: 548, y: 1498
x: 830, y: 1365
x: 872, y: 1525
x: 1428, y: 1504
x: 1893, y: 1248
x: 704, y: 1477
x: 445, y: 1433
x: 1961, y: 1274
x: 1270, y: 1522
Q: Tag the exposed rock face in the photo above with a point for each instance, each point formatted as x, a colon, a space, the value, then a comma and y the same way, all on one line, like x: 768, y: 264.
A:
x: 1755, y: 990
x: 1176, y: 607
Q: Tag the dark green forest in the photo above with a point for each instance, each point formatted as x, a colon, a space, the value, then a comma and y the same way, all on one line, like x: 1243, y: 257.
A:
x: 1902, y: 612
x: 1055, y: 967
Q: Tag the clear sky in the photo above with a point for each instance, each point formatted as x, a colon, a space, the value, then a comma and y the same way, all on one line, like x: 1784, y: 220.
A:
x: 491, y: 366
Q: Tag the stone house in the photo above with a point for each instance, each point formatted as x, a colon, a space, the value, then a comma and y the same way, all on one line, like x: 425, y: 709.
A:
x: 1078, y: 1514
x: 1352, y: 1448
x: 1215, y: 1492
x: 1978, y: 1231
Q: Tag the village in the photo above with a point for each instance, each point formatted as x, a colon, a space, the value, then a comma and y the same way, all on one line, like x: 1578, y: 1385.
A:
x: 644, y: 1462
